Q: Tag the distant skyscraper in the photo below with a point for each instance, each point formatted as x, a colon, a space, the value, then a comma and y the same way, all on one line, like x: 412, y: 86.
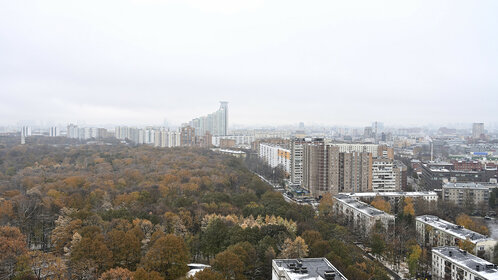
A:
x: 25, y: 132
x: 73, y: 131
x: 477, y: 130
x: 215, y: 123
x: 54, y: 131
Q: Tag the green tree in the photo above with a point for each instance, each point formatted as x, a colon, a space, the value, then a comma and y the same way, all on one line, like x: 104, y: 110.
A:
x: 413, y: 259
x: 125, y: 248
x: 377, y: 244
x: 214, y: 238
x: 169, y: 256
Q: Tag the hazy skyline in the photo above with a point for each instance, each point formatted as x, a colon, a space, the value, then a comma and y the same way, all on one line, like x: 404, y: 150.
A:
x: 276, y: 62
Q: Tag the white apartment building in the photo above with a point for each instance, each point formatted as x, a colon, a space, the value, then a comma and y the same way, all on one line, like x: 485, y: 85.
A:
x: 306, y: 268
x: 240, y: 140
x: 73, y: 131
x: 453, y: 263
x: 165, y: 138
x: 432, y: 231
x: 275, y: 156
x: 82, y: 133
x: 54, y: 131
x: 360, y: 215
x: 384, y: 176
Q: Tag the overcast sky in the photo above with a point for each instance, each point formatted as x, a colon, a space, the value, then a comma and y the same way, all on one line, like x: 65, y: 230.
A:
x: 275, y: 62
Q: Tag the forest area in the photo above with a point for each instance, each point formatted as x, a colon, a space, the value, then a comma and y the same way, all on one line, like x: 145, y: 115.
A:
x: 73, y: 211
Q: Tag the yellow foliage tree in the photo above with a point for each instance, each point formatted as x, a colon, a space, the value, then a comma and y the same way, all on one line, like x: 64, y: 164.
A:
x: 409, y: 209
x: 467, y: 222
x: 381, y: 204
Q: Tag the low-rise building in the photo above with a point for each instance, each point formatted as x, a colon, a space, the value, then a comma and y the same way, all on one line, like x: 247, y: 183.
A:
x: 308, y: 268
x: 395, y: 196
x: 234, y: 153
x: 453, y: 263
x: 361, y: 216
x: 433, y: 231
x: 466, y: 193
x: 434, y: 174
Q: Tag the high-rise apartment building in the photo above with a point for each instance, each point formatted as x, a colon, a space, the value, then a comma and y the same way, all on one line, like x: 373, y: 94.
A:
x: 296, y: 160
x: 477, y: 130
x: 25, y: 132
x: 215, y: 123
x: 73, y: 131
x: 320, y: 166
x: 54, y: 131
x: 326, y: 169
x: 187, y: 136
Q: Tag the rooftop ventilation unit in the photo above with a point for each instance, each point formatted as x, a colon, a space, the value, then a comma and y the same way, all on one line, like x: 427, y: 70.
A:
x: 329, y: 275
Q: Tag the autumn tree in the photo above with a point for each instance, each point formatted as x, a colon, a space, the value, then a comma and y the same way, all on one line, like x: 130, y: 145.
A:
x: 326, y: 206
x: 117, y: 273
x: 47, y: 264
x: 142, y: 274
x: 311, y: 236
x: 467, y: 222
x: 125, y: 247
x: 413, y: 259
x: 167, y: 255
x: 409, y: 208
x: 12, y: 245
x: 206, y: 274
x: 381, y: 204
x: 466, y: 245
x: 229, y: 265
x: 294, y: 249
x: 22, y: 269
x: 91, y: 255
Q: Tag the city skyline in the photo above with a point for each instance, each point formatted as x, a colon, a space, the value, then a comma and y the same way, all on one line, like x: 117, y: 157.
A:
x: 330, y: 63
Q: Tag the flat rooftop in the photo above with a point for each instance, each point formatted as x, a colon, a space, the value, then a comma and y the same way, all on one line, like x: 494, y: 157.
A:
x: 315, y: 268
x: 393, y: 194
x: 469, y: 185
x: 473, y: 263
x: 360, y: 206
x: 453, y: 229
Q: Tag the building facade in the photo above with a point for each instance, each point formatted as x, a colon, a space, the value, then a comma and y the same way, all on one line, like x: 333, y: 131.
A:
x: 477, y: 130
x: 466, y: 194
x: 215, y: 123
x: 328, y: 170
x: 435, y: 232
x: 359, y: 215
x: 297, y: 153
x: 275, y: 156
x: 452, y: 263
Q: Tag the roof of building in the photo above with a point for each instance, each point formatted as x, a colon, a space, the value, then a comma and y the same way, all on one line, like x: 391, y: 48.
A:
x: 228, y: 151
x: 309, y: 268
x: 467, y: 185
x: 360, y: 206
x: 391, y: 194
x: 455, y: 230
x: 475, y: 264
